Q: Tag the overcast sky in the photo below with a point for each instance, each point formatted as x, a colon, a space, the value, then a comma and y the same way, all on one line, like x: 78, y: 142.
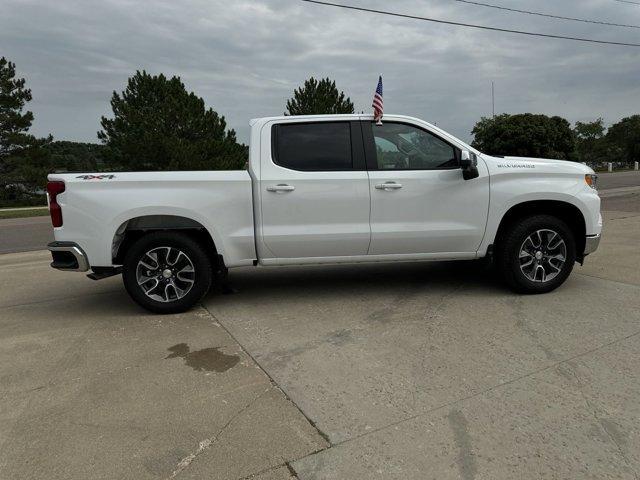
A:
x: 245, y: 57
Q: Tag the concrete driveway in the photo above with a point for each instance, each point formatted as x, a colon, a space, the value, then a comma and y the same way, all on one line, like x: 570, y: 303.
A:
x: 435, y: 371
x: 387, y: 371
x: 91, y: 387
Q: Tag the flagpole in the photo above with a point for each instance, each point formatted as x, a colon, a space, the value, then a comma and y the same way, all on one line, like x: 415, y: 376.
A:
x: 493, y: 99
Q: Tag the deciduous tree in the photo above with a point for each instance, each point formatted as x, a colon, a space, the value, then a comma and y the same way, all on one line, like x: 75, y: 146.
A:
x: 623, y: 139
x: 525, y: 135
x: 591, y: 146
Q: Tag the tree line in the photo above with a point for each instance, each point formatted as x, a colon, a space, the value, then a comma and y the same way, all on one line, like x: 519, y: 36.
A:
x: 158, y: 125
x: 530, y: 135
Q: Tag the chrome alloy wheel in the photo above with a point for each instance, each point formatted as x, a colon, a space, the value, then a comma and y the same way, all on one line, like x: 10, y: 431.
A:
x: 165, y: 274
x: 542, y: 255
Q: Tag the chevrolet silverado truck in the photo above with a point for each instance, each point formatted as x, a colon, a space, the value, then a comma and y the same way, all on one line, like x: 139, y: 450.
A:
x: 327, y: 189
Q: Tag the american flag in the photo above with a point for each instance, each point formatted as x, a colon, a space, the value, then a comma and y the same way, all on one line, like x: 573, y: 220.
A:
x: 378, y: 103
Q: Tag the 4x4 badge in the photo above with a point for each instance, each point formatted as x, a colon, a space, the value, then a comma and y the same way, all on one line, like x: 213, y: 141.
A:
x: 96, y: 177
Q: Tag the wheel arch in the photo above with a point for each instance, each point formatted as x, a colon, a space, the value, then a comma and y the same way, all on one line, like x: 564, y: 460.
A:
x: 565, y: 211
x: 134, y: 228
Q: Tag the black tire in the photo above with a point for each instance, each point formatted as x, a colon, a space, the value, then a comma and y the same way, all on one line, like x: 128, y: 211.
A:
x: 192, y: 281
x: 547, y: 272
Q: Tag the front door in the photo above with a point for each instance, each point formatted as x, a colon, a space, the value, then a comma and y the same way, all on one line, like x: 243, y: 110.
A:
x: 420, y: 204
x: 314, y: 191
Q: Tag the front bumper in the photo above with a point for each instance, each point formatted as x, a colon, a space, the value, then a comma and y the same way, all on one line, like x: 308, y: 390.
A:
x: 68, y: 256
x: 591, y: 244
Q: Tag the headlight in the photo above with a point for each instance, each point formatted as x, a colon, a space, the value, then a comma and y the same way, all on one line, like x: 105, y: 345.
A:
x: 591, y: 179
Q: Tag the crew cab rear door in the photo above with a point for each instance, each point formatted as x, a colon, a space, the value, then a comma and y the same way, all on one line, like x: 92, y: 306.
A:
x: 420, y: 202
x: 314, y: 190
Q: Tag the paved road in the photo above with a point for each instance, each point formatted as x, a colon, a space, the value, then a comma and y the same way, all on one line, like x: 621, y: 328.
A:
x: 25, y: 234
x: 619, y: 179
x: 398, y: 371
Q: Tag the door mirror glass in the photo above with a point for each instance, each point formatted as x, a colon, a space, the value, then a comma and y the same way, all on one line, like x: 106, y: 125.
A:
x: 468, y: 159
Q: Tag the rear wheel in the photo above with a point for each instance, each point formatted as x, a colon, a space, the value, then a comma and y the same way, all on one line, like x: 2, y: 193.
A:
x: 537, y: 254
x: 166, y: 272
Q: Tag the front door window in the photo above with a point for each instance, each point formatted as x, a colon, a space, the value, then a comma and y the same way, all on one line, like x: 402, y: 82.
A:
x: 405, y: 147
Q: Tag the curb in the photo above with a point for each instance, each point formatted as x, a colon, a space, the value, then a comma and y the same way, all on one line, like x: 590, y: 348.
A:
x: 22, y: 209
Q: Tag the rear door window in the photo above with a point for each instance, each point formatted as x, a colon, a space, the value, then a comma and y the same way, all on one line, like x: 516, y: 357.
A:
x: 313, y: 147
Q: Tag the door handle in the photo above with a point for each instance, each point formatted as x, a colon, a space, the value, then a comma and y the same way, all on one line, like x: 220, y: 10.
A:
x: 388, y: 186
x: 281, y: 187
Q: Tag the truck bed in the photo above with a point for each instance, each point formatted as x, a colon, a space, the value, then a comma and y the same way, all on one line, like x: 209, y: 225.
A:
x: 95, y: 206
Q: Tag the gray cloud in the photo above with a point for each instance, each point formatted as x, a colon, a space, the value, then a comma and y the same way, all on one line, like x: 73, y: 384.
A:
x: 245, y: 57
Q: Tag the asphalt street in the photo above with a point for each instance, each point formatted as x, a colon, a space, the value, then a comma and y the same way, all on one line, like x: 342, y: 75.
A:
x: 397, y: 371
x: 618, y: 179
x: 25, y: 234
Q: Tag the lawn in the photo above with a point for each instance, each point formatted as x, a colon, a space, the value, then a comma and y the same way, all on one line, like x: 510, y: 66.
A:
x: 23, y: 212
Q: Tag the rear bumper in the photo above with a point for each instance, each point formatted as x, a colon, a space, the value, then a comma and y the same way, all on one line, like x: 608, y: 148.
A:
x: 591, y: 244
x: 68, y: 256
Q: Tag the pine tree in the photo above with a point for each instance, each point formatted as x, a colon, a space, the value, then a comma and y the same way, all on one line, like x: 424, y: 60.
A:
x: 23, y: 161
x: 158, y: 125
x: 317, y: 98
x: 13, y: 122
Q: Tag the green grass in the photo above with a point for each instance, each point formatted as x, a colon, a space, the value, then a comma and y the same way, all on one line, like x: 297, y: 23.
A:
x: 31, y: 212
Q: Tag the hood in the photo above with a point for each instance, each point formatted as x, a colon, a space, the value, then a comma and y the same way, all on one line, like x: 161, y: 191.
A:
x: 537, y: 164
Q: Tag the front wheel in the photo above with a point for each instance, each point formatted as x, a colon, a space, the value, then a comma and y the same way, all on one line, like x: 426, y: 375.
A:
x: 166, y: 272
x: 536, y: 254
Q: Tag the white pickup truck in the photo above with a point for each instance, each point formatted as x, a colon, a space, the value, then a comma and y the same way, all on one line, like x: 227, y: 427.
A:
x: 327, y: 189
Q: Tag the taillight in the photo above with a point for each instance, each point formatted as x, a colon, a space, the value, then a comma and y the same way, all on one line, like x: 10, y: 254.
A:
x: 53, y: 189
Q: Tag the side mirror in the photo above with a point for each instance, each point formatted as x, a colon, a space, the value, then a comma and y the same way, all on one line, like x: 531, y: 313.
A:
x: 469, y: 165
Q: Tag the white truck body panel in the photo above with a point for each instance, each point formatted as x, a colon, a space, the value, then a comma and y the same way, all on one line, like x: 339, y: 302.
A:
x: 94, y: 210
x: 435, y: 211
x: 515, y: 180
x: 328, y: 217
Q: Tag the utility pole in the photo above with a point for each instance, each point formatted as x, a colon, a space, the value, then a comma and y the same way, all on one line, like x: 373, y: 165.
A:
x: 493, y: 99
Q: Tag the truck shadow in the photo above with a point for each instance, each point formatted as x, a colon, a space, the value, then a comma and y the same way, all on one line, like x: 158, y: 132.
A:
x: 314, y: 282
x: 346, y: 279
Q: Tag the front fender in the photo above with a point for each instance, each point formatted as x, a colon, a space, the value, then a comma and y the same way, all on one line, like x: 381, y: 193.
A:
x: 570, y: 191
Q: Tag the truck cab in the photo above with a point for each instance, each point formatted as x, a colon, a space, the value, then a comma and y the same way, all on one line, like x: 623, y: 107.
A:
x: 345, y: 189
